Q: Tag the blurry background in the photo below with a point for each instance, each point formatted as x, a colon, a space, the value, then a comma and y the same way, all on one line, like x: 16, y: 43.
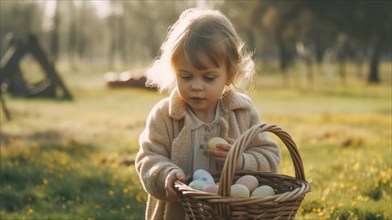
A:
x: 324, y: 75
x: 126, y: 32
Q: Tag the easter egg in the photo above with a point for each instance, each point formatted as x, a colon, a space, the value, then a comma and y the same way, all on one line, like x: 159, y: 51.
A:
x: 263, y: 190
x: 251, y: 182
x: 211, y: 188
x: 215, y: 141
x: 203, y: 175
x: 239, y: 191
x: 197, y: 184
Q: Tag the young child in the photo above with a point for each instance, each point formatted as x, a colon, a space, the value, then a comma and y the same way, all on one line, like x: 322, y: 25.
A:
x: 201, y: 63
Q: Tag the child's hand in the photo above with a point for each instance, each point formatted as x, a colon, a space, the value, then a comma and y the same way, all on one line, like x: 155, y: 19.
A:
x: 221, y: 154
x: 173, y: 176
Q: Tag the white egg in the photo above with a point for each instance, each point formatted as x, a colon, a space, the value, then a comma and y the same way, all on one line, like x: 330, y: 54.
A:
x: 203, y: 175
x: 263, y: 190
x: 239, y: 190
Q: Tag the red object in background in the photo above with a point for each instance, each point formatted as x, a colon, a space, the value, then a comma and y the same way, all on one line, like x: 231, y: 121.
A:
x: 126, y: 79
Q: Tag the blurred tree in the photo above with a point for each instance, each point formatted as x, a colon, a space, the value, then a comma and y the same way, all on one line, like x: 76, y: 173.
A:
x: 240, y: 13
x: 281, y: 28
x: 69, y: 34
x: 318, y: 24
x: 82, y: 39
x: 71, y: 43
x: 137, y: 28
x: 113, y: 23
x: 281, y: 22
x: 366, y: 22
x: 134, y: 30
x: 20, y: 18
x: 271, y: 19
x: 90, y: 33
x: 54, y: 40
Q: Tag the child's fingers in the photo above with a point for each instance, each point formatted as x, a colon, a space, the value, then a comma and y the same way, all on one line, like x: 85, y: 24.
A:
x: 173, y: 176
x: 219, y: 155
x: 180, y: 176
x: 224, y: 147
x: 230, y: 140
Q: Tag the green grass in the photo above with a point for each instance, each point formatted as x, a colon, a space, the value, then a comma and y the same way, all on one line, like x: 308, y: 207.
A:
x: 68, y: 160
x: 63, y: 179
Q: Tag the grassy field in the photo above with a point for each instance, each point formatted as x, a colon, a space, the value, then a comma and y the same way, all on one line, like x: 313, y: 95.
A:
x: 71, y: 160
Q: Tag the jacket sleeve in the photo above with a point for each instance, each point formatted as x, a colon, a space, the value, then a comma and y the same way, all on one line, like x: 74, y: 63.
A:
x: 263, y: 154
x: 153, y: 162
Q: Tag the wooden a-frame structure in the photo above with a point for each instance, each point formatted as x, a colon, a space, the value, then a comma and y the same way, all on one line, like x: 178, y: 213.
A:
x: 12, y: 80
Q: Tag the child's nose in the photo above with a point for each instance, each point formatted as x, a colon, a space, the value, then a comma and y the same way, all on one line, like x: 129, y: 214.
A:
x: 197, y: 85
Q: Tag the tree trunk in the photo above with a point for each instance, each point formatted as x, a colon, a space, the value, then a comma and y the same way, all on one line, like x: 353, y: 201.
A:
x: 72, y: 36
x: 373, y: 76
x: 342, y: 71
x: 54, y: 41
x: 283, y: 60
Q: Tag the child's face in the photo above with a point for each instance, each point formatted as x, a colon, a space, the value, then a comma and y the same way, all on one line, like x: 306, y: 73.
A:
x: 201, y: 89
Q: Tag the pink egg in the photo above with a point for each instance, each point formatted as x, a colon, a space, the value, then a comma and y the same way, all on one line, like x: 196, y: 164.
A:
x: 249, y: 181
x: 211, y: 188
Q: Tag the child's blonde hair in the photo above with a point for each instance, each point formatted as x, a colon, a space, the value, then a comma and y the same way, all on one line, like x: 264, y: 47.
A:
x: 207, y: 31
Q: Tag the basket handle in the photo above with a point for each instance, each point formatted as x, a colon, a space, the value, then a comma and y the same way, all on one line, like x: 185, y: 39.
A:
x: 241, y: 144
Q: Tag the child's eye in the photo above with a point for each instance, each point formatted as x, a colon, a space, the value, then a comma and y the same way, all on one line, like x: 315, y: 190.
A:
x: 209, y: 78
x: 186, y: 77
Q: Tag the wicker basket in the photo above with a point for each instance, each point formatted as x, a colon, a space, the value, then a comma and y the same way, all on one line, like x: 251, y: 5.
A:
x: 284, y: 205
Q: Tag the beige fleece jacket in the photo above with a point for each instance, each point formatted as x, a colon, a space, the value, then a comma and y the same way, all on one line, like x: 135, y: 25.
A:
x: 165, y: 144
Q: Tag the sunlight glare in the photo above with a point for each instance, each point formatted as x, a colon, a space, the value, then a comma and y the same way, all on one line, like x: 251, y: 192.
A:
x: 102, y: 7
x: 49, y: 10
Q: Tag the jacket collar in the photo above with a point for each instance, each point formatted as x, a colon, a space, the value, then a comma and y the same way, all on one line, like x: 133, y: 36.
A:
x: 231, y: 100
